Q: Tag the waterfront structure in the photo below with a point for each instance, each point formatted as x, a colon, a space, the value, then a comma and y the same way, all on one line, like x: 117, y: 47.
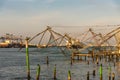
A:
x: 10, y: 40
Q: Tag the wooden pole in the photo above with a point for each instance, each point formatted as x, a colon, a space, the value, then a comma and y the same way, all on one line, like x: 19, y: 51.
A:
x: 47, y: 61
x: 109, y: 72
x: 85, y: 58
x: 69, y: 75
x: 27, y: 59
x: 94, y: 73
x: 113, y: 76
x: 38, y: 72
x: 55, y: 72
x: 78, y: 57
x: 114, y: 64
x: 97, y: 61
x: 88, y: 62
x: 71, y: 61
x: 88, y: 76
x: 100, y: 71
x: 109, y: 77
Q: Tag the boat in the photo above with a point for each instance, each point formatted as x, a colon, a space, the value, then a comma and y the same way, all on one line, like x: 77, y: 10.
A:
x: 11, y: 41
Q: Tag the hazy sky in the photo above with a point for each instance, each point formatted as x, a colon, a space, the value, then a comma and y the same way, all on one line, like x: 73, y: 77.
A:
x: 32, y: 16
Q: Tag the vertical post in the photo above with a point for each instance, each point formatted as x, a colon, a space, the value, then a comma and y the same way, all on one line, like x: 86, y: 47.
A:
x: 71, y: 61
x: 109, y: 72
x: 109, y: 58
x: 97, y: 60
x: 88, y: 75
x: 94, y: 73
x: 38, y: 72
x: 78, y: 57
x: 69, y: 75
x: 85, y: 58
x: 113, y: 76
x: 72, y: 56
x: 93, y: 55
x: 100, y: 58
x: 81, y: 58
x: 112, y: 56
x: 100, y: 71
x: 47, y: 61
x: 55, y: 72
x: 27, y: 59
x: 93, y: 58
x: 114, y: 64
x: 116, y: 58
x: 105, y: 58
x: 88, y: 62
x: 109, y: 77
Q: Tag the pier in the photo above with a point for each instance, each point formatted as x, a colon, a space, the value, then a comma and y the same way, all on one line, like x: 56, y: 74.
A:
x: 107, y: 55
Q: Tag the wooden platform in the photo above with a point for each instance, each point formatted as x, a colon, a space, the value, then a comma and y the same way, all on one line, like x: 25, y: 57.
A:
x: 79, y: 55
x: 74, y: 55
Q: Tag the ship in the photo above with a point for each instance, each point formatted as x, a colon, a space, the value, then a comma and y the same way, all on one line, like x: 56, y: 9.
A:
x: 11, y: 41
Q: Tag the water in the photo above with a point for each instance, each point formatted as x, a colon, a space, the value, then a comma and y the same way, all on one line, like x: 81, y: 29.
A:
x: 13, y: 65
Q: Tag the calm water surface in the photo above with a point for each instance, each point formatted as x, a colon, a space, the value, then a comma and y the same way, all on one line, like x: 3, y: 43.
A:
x: 13, y: 65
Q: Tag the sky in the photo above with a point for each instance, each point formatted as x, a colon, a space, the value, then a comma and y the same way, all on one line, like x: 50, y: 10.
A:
x: 29, y: 17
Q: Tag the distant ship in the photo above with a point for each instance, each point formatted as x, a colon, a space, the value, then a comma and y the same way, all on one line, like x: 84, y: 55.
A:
x: 11, y: 41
